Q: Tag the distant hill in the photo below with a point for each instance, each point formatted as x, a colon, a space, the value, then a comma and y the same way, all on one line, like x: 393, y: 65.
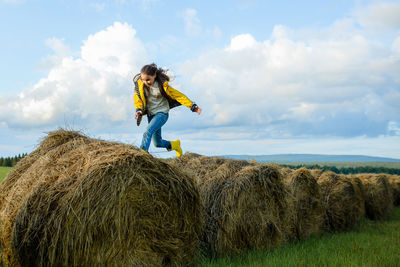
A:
x: 311, y: 158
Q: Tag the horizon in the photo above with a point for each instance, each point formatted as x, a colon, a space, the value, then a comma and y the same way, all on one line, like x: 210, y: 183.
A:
x: 307, y: 154
x: 380, y: 159
x: 284, y: 77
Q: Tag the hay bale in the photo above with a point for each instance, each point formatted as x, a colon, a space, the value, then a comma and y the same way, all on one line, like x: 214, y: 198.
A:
x: 343, y: 201
x: 197, y: 165
x: 87, y: 202
x: 358, y: 186
x: 285, y: 171
x: 316, y: 173
x: 53, y: 140
x: 378, y: 195
x: 201, y: 167
x: 25, y: 175
x: 307, y: 203
x: 244, y: 209
x: 245, y: 205
x: 394, y: 181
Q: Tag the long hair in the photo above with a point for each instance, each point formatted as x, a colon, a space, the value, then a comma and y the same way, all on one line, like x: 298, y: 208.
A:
x: 152, y: 69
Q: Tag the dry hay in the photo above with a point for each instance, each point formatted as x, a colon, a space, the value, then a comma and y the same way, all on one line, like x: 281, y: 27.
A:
x: 53, y: 140
x: 378, y: 195
x: 285, y: 171
x: 77, y: 201
x: 394, y: 181
x: 343, y: 201
x: 245, y: 204
x: 244, y: 209
x: 316, y: 173
x: 359, y: 186
x: 202, y: 166
x: 308, y: 208
x: 197, y: 165
x: 13, y: 189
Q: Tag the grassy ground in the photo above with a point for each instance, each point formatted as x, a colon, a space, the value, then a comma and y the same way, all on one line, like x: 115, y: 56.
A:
x: 3, y: 172
x: 370, y: 243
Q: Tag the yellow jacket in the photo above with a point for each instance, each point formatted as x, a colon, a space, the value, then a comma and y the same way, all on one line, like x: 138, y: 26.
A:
x: 174, y: 97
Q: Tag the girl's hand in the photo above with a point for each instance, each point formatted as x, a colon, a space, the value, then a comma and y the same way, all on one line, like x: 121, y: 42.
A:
x: 198, y: 110
x: 137, y: 114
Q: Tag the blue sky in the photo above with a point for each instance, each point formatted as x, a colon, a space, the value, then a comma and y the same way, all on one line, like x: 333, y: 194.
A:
x: 271, y: 76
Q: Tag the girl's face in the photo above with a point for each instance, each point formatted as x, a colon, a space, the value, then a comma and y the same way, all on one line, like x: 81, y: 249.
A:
x: 148, y: 80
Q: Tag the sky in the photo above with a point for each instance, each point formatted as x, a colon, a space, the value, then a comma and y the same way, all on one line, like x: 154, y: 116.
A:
x: 271, y: 77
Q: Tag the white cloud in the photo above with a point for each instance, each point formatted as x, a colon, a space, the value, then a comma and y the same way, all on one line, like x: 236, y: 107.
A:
x: 242, y: 41
x: 194, y: 29
x: 58, y: 46
x: 60, y: 50
x: 289, y: 85
x: 192, y: 22
x: 114, y: 50
x: 96, y: 86
x: 380, y: 16
x: 394, y: 127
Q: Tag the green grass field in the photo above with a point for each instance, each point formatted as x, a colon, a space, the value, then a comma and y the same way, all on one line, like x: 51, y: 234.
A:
x: 3, y: 172
x: 370, y: 243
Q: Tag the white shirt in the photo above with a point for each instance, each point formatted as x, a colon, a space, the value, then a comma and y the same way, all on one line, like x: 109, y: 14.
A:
x: 156, y: 102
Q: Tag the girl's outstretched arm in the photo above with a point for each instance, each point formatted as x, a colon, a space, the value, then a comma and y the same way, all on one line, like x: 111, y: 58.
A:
x: 178, y: 96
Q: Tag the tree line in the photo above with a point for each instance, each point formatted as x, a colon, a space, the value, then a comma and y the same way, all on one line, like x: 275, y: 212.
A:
x: 11, y: 161
x: 347, y: 170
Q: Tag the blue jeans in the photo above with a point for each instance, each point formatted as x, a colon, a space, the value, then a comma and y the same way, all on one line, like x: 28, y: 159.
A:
x: 153, y: 131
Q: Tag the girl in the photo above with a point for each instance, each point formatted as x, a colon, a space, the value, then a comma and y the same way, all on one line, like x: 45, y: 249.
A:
x: 154, y: 97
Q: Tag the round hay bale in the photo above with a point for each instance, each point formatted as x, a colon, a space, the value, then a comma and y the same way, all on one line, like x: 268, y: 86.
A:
x: 53, y: 140
x: 197, y: 165
x: 228, y: 169
x: 89, y: 202
x: 245, y: 204
x: 343, y: 201
x: 378, y: 195
x: 187, y: 156
x: 358, y: 186
x: 25, y: 176
x: 307, y: 203
x: 285, y: 171
x: 245, y: 209
x: 60, y: 137
x: 202, y: 166
x: 394, y: 181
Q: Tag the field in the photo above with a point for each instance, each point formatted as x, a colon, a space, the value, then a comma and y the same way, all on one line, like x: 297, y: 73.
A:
x: 3, y: 172
x: 370, y: 243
